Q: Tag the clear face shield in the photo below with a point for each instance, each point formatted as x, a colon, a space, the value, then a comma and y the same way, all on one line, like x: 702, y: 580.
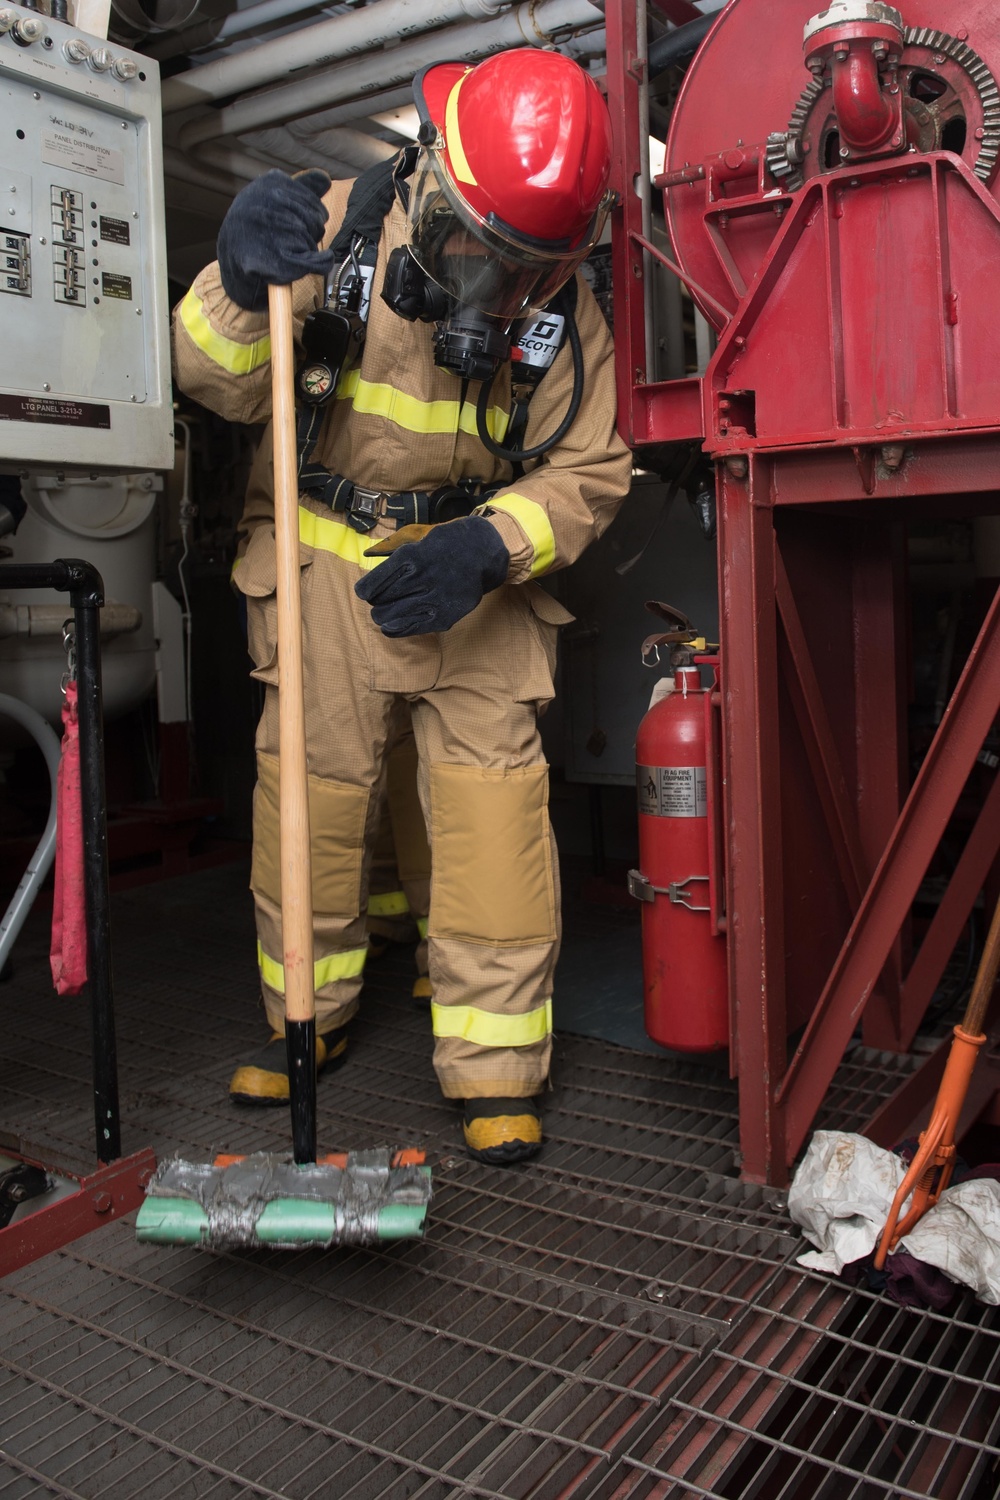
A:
x: 482, y: 264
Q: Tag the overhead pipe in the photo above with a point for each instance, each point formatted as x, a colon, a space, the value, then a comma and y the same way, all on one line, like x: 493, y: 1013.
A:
x: 679, y: 45
x: 333, y: 40
x: 185, y: 168
x: 358, y: 109
x: 209, y: 33
x: 291, y: 155
x: 532, y: 25
x: 227, y: 157
x: 339, y: 152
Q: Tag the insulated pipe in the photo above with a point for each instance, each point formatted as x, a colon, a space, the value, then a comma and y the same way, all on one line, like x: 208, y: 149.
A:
x: 359, y: 109
x: 284, y: 151
x: 531, y: 25
x: 678, y: 45
x: 184, y: 168
x: 40, y: 862
x: 333, y: 40
x: 349, y: 150
x: 48, y: 619
x: 235, y: 24
x: 228, y: 158
x: 356, y: 147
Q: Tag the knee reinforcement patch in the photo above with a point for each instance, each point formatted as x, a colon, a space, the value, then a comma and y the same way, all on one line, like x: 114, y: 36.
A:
x: 492, y: 880
x: 337, y: 815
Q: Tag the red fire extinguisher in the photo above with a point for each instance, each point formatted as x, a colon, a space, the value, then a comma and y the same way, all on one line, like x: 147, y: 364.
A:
x: 679, y: 880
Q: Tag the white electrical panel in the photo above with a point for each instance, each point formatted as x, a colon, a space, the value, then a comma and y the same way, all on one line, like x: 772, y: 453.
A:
x: 84, y: 335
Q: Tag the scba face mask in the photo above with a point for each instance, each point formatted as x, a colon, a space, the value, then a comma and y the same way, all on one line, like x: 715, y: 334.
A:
x: 507, y: 196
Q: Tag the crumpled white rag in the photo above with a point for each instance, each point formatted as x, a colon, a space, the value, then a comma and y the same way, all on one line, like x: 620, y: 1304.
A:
x: 842, y: 1192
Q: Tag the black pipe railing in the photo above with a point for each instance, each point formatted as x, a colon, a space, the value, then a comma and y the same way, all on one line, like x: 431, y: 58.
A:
x: 85, y: 587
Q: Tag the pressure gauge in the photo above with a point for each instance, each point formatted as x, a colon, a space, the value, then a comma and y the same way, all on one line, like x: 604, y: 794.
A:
x: 315, y: 383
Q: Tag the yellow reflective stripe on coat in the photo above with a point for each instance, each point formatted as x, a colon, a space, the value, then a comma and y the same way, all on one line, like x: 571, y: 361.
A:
x: 388, y: 904
x: 335, y: 536
x: 347, y: 965
x: 485, y: 1028
x: 372, y: 399
x: 533, y: 521
x: 238, y: 359
x: 422, y: 925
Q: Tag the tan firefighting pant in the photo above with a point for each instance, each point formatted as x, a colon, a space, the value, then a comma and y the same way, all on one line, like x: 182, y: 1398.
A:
x: 474, y: 694
x: 399, y: 882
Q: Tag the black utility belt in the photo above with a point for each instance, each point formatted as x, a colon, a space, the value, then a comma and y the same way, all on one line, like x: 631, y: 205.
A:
x: 365, y: 508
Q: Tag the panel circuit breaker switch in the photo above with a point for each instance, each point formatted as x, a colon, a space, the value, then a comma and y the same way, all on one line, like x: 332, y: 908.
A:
x: 68, y: 253
x: 16, y: 275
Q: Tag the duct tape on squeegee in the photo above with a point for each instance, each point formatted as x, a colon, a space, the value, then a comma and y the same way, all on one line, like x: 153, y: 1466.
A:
x: 361, y: 1198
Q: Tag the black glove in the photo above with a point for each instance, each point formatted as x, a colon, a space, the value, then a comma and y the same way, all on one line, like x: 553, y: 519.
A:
x: 270, y: 235
x: 429, y: 585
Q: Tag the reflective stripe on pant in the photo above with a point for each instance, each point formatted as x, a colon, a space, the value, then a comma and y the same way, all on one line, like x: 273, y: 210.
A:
x: 473, y: 694
x: 338, y: 818
x: 494, y: 919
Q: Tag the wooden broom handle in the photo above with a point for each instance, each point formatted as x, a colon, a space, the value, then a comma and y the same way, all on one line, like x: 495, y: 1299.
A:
x: 293, y: 786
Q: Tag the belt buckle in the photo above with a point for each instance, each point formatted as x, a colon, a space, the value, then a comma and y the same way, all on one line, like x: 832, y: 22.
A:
x: 367, y: 503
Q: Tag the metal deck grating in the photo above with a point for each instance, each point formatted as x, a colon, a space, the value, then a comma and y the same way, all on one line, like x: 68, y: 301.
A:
x: 822, y: 1393
x: 619, y: 1318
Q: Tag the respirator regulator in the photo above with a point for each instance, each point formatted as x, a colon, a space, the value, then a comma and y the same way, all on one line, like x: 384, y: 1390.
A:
x: 469, y: 343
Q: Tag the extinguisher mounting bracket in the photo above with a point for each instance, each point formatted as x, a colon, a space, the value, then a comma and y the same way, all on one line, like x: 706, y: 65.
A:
x: 643, y: 889
x: 678, y: 893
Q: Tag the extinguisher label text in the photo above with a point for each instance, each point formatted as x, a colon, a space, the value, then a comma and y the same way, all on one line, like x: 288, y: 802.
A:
x: 672, y: 791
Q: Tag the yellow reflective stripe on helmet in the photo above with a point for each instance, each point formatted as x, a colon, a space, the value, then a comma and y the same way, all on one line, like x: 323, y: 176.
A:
x: 238, y: 359
x: 487, y: 1029
x: 388, y: 904
x: 334, y: 536
x: 453, y: 137
x: 376, y: 399
x: 422, y: 925
x: 325, y: 970
x: 532, y: 519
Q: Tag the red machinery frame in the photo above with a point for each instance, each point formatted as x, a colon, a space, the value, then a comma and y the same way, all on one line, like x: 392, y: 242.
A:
x: 827, y: 843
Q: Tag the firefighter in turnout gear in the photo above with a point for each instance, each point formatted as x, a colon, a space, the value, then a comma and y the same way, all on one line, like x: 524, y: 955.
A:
x: 432, y: 298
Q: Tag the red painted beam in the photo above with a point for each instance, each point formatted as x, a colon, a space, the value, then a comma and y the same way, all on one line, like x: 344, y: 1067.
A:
x: 974, y: 705
x: 104, y: 1195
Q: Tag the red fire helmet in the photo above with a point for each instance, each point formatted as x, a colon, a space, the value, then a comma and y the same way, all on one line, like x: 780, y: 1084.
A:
x: 516, y: 152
